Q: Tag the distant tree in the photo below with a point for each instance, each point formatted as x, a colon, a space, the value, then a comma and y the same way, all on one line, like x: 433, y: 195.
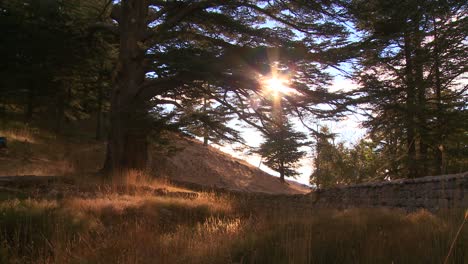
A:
x: 328, y: 162
x: 281, y: 149
x: 51, y: 65
x: 411, y: 72
x: 335, y: 164
x: 366, y: 162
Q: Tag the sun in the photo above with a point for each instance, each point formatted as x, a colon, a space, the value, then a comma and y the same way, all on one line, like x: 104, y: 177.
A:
x: 277, y: 85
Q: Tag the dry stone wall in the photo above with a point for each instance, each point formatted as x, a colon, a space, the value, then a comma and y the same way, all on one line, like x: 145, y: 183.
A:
x: 432, y: 193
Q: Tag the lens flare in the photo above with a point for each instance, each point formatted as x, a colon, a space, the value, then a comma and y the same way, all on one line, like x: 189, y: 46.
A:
x: 277, y: 85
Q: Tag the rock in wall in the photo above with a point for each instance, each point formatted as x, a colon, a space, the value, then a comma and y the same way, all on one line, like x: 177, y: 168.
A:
x: 432, y: 193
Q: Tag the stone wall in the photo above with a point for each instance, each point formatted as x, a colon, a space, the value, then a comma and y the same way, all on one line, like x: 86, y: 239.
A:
x: 432, y: 193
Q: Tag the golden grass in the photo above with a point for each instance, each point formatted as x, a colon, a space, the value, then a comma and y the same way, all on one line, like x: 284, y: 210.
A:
x: 213, y: 228
x: 112, y: 228
x: 36, y: 152
x: 22, y: 133
x: 107, y: 225
x: 456, y: 237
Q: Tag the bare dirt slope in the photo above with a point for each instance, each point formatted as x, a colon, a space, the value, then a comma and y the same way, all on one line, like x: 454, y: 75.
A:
x: 36, y: 152
x: 209, y: 166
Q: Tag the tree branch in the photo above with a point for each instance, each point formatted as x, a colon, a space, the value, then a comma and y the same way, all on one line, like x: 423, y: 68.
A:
x: 105, y: 27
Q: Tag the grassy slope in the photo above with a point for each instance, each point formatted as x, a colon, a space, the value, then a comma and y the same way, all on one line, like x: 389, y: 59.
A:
x: 35, y: 152
x: 108, y: 224
x: 208, y: 166
x: 82, y: 221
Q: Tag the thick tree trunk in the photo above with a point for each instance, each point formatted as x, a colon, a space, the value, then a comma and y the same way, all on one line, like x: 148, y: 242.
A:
x: 29, y: 106
x: 127, y: 144
x: 439, y: 148
x: 127, y: 147
x: 410, y: 102
x: 420, y: 86
x: 99, y: 113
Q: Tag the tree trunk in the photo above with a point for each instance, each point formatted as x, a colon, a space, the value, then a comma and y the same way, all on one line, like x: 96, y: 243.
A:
x: 59, y: 111
x: 3, y: 115
x: 127, y: 147
x: 29, y: 107
x: 420, y: 86
x: 205, y: 135
x: 281, y: 171
x: 99, y: 112
x: 127, y: 144
x: 206, y: 130
x: 410, y: 101
x: 439, y: 148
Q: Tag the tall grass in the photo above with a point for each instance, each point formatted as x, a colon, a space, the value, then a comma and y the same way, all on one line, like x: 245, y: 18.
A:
x: 216, y: 228
x: 107, y: 225
x: 31, y: 230
x: 33, y: 151
x: 353, y: 236
x: 456, y: 237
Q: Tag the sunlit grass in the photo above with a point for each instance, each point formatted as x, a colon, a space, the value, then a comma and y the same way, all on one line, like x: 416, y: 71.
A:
x: 134, y: 219
x: 32, y: 151
x: 22, y: 134
x: 213, y: 228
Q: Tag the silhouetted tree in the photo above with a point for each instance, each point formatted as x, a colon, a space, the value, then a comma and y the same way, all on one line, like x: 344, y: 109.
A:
x: 52, y: 67
x: 281, y: 149
x: 410, y: 74
x: 169, y: 50
x: 334, y: 163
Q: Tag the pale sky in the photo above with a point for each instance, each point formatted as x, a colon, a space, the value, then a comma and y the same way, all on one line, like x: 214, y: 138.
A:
x: 348, y: 130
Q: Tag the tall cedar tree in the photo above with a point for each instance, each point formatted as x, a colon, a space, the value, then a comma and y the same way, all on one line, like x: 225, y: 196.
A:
x: 51, y: 66
x: 170, y: 50
x: 281, y: 149
x: 411, y: 72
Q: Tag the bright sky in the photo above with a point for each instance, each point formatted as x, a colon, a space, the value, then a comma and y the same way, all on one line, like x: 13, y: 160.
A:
x: 348, y: 130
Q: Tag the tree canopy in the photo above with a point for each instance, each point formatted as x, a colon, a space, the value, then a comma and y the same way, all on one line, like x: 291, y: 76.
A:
x: 218, y: 50
x: 281, y: 149
x: 139, y: 67
x: 413, y: 83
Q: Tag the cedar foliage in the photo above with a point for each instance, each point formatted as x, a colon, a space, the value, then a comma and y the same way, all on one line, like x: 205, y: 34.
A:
x: 281, y: 149
x: 53, y: 69
x: 171, y: 51
x: 411, y: 74
x: 146, y: 66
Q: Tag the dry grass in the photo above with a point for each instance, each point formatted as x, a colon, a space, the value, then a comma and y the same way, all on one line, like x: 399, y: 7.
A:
x: 208, y: 166
x: 113, y: 229
x: 97, y: 222
x: 214, y: 228
x: 37, y: 152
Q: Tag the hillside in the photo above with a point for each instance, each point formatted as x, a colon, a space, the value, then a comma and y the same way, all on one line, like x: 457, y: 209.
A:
x: 66, y: 220
x: 35, y: 152
x: 209, y: 166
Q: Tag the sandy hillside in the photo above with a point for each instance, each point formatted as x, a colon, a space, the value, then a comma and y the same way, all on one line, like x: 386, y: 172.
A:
x: 43, y: 154
x: 209, y: 166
